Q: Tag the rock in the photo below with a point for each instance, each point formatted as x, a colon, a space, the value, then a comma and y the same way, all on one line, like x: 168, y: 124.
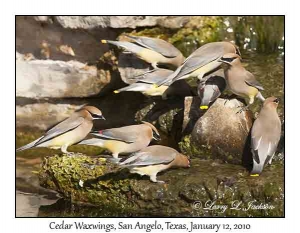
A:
x: 57, y: 79
x: 221, y: 133
x: 90, y: 22
x: 96, y: 182
x: 31, y: 32
x: 43, y: 115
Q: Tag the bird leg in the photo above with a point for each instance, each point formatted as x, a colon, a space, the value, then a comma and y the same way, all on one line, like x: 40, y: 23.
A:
x: 69, y: 153
x: 153, y: 179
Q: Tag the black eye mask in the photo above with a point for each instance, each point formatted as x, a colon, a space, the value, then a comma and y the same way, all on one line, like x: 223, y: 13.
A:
x: 156, y: 136
x: 229, y: 59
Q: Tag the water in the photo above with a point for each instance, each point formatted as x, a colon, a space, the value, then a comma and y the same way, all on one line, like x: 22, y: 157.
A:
x: 262, y: 50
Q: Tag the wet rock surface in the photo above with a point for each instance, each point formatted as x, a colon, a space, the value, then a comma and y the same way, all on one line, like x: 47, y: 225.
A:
x: 220, y: 133
x: 57, y: 79
x: 120, y: 193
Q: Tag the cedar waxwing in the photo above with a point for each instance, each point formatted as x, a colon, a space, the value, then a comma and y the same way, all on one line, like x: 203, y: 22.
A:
x: 152, y: 50
x: 144, y: 83
x: 154, y: 159
x: 265, y: 135
x: 202, y: 61
x: 240, y: 81
x: 127, y: 139
x: 68, y: 132
x: 211, y: 87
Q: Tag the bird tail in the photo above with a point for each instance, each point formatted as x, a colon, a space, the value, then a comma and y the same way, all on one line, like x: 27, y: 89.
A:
x: 257, y: 168
x: 93, y: 142
x: 130, y: 47
x: 135, y: 87
x: 260, y: 97
x: 29, y: 145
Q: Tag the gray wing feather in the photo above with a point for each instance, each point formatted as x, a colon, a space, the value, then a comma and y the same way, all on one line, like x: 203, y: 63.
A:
x: 157, y: 45
x: 126, y: 134
x: 146, y: 158
x: 251, y: 81
x: 63, y: 127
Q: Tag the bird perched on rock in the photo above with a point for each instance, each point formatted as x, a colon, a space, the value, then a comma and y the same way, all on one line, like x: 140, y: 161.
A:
x: 211, y: 87
x: 202, y: 61
x: 265, y: 135
x: 144, y: 84
x: 68, y: 132
x: 127, y: 139
x: 240, y: 81
x: 154, y: 159
x: 152, y: 50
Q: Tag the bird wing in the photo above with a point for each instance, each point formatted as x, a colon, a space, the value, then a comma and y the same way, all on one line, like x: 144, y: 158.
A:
x: 127, y: 134
x: 157, y: 45
x: 251, y: 81
x: 198, y: 59
x: 263, y: 142
x: 148, y: 158
x: 63, y: 127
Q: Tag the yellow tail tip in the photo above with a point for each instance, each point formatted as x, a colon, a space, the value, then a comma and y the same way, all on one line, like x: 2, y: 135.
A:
x: 155, y: 85
x: 116, y: 92
x: 254, y: 175
x: 203, y: 107
x: 104, y: 41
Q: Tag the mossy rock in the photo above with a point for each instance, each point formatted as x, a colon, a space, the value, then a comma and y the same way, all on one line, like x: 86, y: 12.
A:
x: 118, y: 193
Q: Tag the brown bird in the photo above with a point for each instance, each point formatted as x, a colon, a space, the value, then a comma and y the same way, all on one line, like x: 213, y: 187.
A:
x: 202, y: 61
x: 211, y: 87
x: 152, y: 50
x: 154, y: 159
x: 68, y: 132
x: 265, y: 135
x: 127, y: 139
x: 240, y: 81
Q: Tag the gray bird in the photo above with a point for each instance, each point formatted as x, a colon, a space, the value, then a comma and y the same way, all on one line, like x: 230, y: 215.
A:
x: 265, y: 135
x: 124, y: 140
x: 240, y: 81
x: 202, y: 61
x: 154, y: 159
x: 152, y: 50
x: 144, y: 84
x: 211, y: 87
x: 68, y: 132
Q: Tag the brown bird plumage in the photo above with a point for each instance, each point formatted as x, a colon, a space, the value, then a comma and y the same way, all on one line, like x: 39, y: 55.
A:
x: 265, y: 135
x: 154, y: 159
x: 240, y: 81
x: 127, y: 139
x: 68, y: 132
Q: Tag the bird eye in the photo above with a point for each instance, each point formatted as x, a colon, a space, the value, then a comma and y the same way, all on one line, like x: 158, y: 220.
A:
x: 276, y: 101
